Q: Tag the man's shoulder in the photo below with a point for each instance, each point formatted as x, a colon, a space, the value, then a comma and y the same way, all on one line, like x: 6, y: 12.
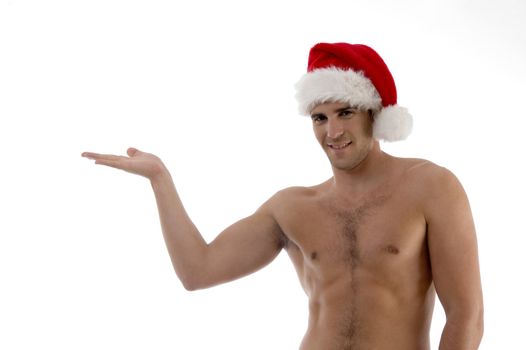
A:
x: 431, y: 178
x: 294, y: 193
x: 419, y: 168
x: 294, y: 196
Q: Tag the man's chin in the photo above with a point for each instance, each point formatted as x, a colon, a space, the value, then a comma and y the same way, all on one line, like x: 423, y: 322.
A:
x: 343, y: 166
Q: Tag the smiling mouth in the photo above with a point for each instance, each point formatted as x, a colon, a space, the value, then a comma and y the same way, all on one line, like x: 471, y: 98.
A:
x: 339, y: 146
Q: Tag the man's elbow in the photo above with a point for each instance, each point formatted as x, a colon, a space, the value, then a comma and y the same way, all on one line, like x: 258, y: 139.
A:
x: 193, y: 276
x: 480, y: 322
x: 196, y: 281
x: 192, y: 284
x: 476, y: 323
x: 471, y: 320
x: 189, y: 286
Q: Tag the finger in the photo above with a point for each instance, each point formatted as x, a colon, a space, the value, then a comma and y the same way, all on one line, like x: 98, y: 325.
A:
x: 132, y: 151
x: 111, y: 163
x: 87, y: 154
x: 91, y: 155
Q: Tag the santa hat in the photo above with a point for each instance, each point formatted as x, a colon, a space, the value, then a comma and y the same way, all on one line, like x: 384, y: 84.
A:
x: 355, y: 74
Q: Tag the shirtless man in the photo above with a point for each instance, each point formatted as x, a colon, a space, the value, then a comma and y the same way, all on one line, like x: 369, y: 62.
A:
x: 371, y: 245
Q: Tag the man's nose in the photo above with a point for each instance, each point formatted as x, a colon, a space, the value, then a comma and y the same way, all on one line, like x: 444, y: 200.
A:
x: 334, y: 128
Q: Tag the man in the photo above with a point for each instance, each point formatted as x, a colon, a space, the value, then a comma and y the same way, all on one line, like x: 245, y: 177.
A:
x: 371, y: 245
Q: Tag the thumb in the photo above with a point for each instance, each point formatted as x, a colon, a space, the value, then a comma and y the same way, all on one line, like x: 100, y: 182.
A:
x: 132, y: 151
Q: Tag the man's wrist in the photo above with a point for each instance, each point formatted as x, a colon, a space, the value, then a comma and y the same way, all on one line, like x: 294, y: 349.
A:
x: 161, y: 176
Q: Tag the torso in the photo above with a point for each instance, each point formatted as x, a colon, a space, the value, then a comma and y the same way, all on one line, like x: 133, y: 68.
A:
x: 363, y: 263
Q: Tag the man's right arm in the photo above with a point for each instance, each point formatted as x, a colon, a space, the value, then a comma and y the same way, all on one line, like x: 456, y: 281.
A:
x: 239, y: 250
x: 242, y: 248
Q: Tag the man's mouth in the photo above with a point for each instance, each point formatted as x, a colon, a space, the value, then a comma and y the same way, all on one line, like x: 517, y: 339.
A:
x: 339, y: 145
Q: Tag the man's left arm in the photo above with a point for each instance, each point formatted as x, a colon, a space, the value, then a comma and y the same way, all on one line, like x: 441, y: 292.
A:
x: 453, y: 252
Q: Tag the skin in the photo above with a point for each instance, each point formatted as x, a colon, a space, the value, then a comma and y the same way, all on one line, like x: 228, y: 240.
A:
x: 372, y: 245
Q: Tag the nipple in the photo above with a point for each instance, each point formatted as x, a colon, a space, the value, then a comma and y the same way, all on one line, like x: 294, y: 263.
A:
x: 392, y: 249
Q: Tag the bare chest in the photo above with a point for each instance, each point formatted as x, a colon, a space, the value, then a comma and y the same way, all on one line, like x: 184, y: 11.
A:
x: 380, y: 235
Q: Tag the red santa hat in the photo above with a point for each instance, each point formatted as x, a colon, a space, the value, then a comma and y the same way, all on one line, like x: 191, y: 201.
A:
x: 355, y: 74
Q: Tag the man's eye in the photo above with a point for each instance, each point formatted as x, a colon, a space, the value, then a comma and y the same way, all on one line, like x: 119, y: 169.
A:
x: 346, y: 112
x: 317, y: 118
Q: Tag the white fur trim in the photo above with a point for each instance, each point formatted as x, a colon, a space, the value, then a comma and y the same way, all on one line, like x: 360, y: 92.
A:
x: 392, y: 123
x: 336, y: 85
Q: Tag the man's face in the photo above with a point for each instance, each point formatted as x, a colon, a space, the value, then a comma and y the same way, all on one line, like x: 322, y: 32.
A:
x: 344, y: 133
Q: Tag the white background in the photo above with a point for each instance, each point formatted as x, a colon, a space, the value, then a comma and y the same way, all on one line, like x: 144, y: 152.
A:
x: 208, y: 87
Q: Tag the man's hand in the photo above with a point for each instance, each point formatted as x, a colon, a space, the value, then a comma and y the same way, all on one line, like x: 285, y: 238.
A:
x: 139, y: 163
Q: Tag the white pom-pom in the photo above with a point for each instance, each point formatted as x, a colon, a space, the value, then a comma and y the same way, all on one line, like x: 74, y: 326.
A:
x: 392, y: 123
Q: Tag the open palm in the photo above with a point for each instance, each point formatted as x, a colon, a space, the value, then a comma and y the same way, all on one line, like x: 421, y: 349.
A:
x: 138, y: 162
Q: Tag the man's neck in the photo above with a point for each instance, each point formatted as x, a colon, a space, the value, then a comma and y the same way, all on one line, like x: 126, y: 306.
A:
x: 365, y: 176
